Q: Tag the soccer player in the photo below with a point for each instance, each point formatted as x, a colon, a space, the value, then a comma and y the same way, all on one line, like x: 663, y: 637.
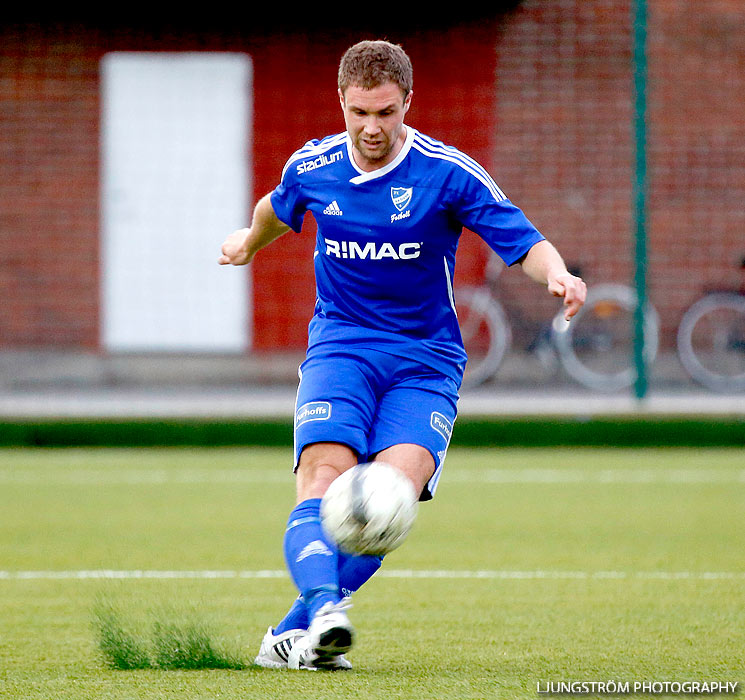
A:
x: 385, y: 357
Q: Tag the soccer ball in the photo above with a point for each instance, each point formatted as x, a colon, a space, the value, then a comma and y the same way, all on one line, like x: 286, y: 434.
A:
x: 369, y: 509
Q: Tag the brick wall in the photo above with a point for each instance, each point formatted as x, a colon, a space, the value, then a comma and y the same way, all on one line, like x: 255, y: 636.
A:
x: 697, y: 151
x: 48, y: 191
x: 554, y: 128
x: 49, y: 137
x: 564, y: 143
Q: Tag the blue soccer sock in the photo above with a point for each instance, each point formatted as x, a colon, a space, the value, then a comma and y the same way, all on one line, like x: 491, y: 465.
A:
x: 295, y: 619
x: 354, y: 571
x: 311, y: 559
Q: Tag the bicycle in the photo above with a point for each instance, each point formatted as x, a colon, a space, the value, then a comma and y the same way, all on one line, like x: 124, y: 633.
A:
x: 594, y: 348
x: 487, y: 332
x: 711, y: 340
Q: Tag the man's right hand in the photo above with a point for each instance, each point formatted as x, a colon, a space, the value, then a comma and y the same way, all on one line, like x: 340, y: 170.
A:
x: 234, y: 250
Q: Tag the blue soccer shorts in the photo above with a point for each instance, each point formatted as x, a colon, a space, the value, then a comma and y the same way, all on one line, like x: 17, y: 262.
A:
x: 370, y: 400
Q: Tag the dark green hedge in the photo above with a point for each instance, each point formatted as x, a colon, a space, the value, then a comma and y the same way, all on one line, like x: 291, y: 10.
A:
x: 538, y: 431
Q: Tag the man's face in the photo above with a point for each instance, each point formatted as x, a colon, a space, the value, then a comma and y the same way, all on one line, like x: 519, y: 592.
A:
x: 374, y: 120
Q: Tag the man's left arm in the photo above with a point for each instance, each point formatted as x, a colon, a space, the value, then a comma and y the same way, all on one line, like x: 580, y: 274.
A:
x: 544, y: 264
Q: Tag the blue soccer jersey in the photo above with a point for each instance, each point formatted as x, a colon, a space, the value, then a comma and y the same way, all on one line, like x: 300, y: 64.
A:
x: 386, y: 242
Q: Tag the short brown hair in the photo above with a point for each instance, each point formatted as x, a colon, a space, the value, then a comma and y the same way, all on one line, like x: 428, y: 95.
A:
x: 369, y: 64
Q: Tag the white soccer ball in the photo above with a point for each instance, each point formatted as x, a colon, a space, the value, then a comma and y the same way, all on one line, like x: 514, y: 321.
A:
x: 369, y: 509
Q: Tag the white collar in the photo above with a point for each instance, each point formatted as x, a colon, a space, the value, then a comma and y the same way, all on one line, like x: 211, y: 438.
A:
x: 365, y: 176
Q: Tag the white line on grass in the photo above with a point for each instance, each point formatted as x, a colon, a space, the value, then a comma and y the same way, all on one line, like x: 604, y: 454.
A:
x: 117, y: 477
x: 598, y: 476
x: 92, y: 574
x: 85, y: 477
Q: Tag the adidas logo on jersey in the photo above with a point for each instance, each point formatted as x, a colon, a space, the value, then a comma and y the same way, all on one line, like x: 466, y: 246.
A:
x: 333, y: 209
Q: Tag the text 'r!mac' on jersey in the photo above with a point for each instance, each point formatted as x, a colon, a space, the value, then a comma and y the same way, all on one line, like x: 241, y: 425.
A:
x: 387, y: 239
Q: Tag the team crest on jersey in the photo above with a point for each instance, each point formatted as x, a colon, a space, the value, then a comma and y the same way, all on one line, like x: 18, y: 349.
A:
x: 401, y: 197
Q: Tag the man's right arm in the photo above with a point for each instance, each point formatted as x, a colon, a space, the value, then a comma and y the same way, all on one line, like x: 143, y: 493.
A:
x: 240, y: 247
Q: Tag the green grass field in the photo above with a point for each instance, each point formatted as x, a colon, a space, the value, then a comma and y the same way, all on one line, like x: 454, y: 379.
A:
x: 531, y: 565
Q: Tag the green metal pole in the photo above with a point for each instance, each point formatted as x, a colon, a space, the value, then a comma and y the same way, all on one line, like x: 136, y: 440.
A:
x: 640, y: 189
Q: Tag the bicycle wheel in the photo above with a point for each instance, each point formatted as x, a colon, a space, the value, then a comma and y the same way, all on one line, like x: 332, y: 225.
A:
x: 711, y: 342
x: 596, y: 348
x: 485, y: 332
